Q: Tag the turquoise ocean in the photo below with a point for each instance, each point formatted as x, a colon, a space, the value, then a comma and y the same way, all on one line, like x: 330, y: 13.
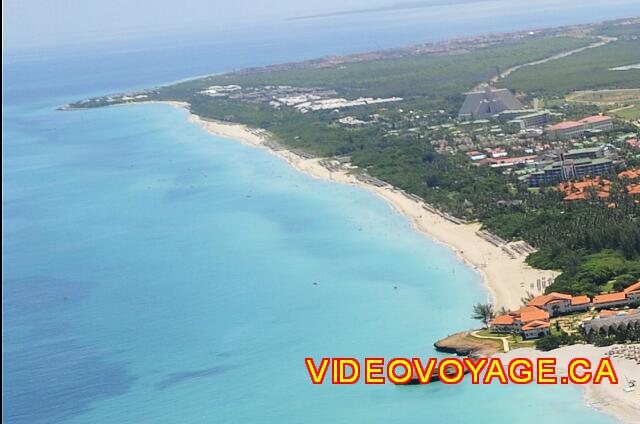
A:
x: 157, y: 274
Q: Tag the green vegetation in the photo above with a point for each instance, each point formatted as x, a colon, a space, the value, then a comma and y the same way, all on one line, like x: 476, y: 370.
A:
x: 586, y: 70
x: 516, y: 341
x: 405, y: 143
x: 630, y: 113
x: 483, y: 312
x: 412, y: 77
x: 605, y: 96
x: 547, y: 343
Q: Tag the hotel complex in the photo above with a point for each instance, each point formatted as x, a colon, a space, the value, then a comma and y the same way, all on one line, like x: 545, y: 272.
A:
x: 487, y: 103
x: 570, y: 129
x: 533, y: 320
x: 574, y: 164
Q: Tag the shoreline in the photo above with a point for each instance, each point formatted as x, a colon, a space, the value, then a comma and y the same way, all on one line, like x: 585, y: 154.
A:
x: 605, y: 397
x: 500, y: 272
x: 505, y: 274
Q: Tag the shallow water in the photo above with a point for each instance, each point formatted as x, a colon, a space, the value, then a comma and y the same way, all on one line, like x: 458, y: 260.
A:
x: 155, y: 273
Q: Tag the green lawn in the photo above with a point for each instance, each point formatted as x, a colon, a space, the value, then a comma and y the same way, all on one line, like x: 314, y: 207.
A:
x: 516, y: 342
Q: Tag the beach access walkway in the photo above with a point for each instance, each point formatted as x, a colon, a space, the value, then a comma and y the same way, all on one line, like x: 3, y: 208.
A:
x: 505, y: 342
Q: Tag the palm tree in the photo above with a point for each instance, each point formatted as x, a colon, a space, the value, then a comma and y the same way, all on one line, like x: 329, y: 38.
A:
x: 483, y: 312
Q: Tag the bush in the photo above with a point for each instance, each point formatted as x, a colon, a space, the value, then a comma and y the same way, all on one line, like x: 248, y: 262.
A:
x: 623, y: 281
x: 549, y: 342
x: 604, y: 341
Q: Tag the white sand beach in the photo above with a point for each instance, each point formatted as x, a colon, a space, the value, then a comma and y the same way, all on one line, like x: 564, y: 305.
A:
x: 609, y: 398
x: 506, y: 275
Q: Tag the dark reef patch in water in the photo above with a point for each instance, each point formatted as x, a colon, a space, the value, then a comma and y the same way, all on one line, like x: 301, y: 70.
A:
x: 179, y: 377
x: 48, y: 375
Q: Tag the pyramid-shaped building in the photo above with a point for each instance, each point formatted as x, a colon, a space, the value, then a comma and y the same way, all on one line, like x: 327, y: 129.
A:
x: 487, y: 103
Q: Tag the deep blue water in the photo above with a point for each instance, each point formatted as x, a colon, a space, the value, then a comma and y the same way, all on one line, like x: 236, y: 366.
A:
x: 154, y: 273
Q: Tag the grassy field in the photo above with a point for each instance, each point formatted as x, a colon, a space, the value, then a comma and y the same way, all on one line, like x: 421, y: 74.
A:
x: 606, y: 97
x: 587, y: 70
x: 628, y: 113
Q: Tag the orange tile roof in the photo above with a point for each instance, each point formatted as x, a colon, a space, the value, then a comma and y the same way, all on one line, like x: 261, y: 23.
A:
x: 565, y: 125
x: 536, y: 324
x: 534, y: 314
x: 502, y: 320
x: 576, y: 196
x: 544, y: 299
x: 577, y: 190
x: 594, y: 119
x: 633, y: 287
x: 630, y: 174
x: 580, y: 300
x: 604, y: 314
x: 611, y: 297
x: 633, y: 188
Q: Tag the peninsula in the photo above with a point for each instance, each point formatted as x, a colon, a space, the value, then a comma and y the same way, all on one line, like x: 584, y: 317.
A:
x: 519, y: 151
x: 485, y: 183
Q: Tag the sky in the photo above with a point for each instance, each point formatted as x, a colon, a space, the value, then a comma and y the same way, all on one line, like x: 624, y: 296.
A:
x: 35, y: 23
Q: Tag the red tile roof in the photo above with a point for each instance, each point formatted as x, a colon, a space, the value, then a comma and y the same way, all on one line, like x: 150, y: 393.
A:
x: 565, y: 125
x: 611, y: 297
x: 540, y: 301
x: 536, y: 324
x: 502, y: 320
x: 580, y: 300
x: 635, y: 287
x: 529, y: 314
x: 630, y: 174
x: 595, y: 119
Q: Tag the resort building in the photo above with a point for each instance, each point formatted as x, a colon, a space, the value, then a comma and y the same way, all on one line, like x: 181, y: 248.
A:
x: 611, y: 324
x: 487, y: 103
x: 586, y: 153
x: 580, y: 304
x: 559, y: 303
x: 572, y: 129
x: 502, y: 324
x: 569, y: 169
x: 475, y: 155
x: 598, y: 123
x: 532, y: 320
x: 630, y: 174
x: 536, y: 329
x: 507, y: 162
x: 553, y: 303
x: 610, y: 300
x: 566, y: 130
x: 597, y: 188
x: 532, y: 120
x: 633, y: 293
x: 583, y: 190
x: 525, y: 118
x: 529, y: 321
